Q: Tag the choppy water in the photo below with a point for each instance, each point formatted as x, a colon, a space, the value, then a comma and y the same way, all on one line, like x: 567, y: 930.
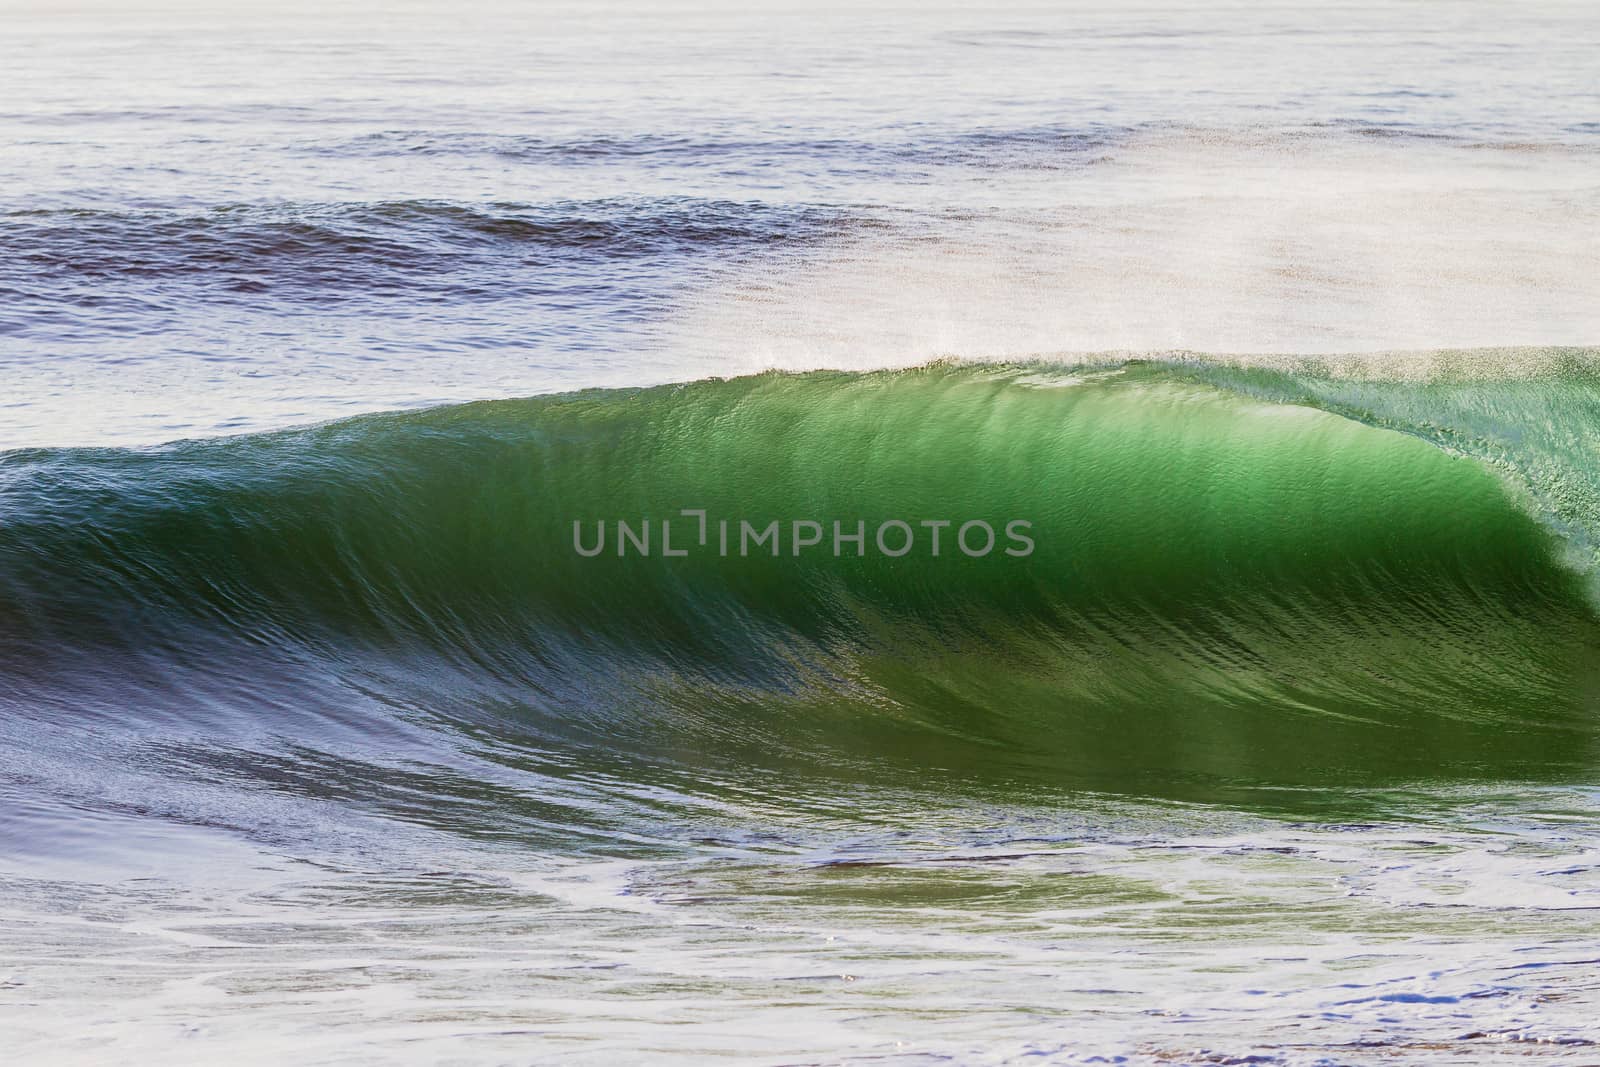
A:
x: 320, y: 741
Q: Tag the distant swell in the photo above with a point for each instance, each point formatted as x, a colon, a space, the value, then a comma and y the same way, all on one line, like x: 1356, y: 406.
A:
x: 1040, y: 147
x: 325, y: 247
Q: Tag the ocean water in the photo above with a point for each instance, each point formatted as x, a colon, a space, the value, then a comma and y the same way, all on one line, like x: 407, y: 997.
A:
x: 333, y: 336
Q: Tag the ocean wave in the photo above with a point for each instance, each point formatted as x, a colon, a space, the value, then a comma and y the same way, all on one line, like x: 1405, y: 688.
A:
x: 1040, y: 146
x: 332, y: 245
x: 1224, y: 584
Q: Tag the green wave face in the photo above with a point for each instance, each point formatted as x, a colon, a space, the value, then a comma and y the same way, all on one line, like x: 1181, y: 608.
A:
x: 1223, y: 588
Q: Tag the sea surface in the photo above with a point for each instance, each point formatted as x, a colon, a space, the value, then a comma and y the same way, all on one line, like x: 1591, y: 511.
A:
x: 332, y: 334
